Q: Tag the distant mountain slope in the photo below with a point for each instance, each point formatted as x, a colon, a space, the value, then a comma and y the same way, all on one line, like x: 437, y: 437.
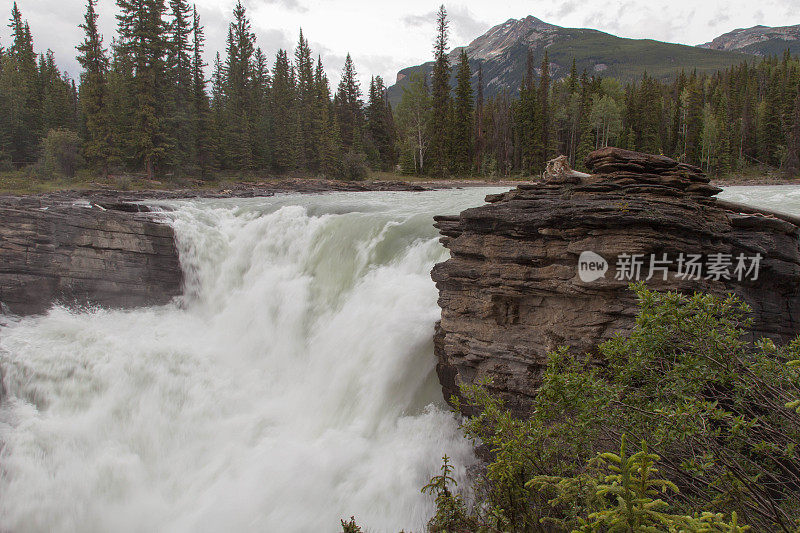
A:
x: 503, y: 53
x: 759, y: 40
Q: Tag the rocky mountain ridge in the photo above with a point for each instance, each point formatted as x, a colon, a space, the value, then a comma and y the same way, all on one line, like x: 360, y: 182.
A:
x: 502, y: 53
x: 758, y: 40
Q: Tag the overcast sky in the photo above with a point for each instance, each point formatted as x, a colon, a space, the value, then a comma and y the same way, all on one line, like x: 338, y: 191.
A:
x: 384, y: 37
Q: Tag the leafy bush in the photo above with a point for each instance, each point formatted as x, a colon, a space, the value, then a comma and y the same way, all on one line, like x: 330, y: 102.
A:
x: 718, y: 413
x: 61, y: 153
x: 353, y: 166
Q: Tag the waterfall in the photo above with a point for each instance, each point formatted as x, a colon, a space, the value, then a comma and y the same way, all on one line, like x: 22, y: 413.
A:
x: 292, y: 384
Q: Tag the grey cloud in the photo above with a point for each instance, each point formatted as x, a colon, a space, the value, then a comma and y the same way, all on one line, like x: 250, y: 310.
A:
x: 464, y: 26
x: 293, y: 5
x: 419, y: 20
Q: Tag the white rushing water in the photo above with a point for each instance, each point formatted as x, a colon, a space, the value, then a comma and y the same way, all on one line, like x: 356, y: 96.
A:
x: 292, y: 385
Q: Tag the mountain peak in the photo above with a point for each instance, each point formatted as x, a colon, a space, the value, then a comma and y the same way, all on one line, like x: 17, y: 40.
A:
x: 499, y: 38
x: 758, y: 40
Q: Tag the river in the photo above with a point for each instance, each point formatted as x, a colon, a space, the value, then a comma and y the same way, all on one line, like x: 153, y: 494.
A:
x: 291, y: 386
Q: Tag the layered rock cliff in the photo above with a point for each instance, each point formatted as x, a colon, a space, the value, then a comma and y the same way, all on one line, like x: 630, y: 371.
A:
x: 81, y: 252
x: 512, y: 290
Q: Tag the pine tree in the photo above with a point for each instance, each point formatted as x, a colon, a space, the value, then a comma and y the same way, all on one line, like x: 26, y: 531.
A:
x: 380, y: 126
x: 327, y: 131
x: 93, y: 93
x: 181, y: 122
x: 349, y: 109
x: 440, y: 101
x: 22, y: 127
x: 260, y: 113
x: 463, y: 123
x: 544, y: 119
x: 200, y: 116
x: 238, y: 90
x: 218, y: 115
x: 306, y: 95
x: 284, y: 118
x: 479, y: 132
x: 793, y: 140
x: 142, y: 33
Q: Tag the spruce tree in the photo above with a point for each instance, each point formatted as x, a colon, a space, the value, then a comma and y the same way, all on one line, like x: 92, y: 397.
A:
x: 479, y: 133
x: 306, y: 95
x: 238, y: 90
x: 349, y: 109
x: 440, y: 98
x: 181, y: 121
x: 200, y: 116
x: 380, y: 126
x: 143, y: 33
x: 20, y: 89
x: 327, y: 141
x: 284, y: 117
x: 463, y: 123
x: 544, y: 119
x: 93, y: 93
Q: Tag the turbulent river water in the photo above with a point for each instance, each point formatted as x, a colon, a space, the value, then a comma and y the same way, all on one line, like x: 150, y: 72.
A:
x: 292, y: 385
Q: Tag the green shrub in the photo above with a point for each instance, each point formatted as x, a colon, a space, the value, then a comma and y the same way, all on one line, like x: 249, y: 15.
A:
x: 61, y: 153
x: 353, y: 166
x: 705, y: 403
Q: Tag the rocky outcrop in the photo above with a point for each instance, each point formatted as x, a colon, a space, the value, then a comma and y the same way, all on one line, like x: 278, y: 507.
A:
x: 513, y: 290
x: 80, y: 252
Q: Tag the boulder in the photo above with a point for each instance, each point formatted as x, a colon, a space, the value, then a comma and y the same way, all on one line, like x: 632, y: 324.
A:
x: 526, y: 270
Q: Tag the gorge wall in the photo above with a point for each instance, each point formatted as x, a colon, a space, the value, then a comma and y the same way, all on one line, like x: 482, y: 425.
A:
x: 512, y: 291
x: 79, y: 252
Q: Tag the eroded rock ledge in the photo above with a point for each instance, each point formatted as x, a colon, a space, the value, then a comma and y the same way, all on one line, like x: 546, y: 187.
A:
x: 80, y: 252
x: 511, y: 292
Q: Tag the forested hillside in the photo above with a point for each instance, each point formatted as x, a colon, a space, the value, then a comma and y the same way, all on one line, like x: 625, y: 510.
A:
x: 143, y: 105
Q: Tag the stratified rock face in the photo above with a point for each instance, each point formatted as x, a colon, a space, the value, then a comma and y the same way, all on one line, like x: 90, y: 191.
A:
x: 77, y: 254
x: 512, y: 291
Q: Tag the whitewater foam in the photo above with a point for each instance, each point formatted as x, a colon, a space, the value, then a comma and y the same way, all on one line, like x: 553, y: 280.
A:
x: 292, y: 385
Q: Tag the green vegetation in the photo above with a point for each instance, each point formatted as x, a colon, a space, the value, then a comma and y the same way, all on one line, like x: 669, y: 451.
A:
x: 714, y: 416
x: 143, y: 107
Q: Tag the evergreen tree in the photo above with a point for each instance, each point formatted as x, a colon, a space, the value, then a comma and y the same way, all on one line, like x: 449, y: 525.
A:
x: 260, y: 112
x: 380, y: 126
x: 327, y: 131
x: 142, y: 33
x: 440, y: 101
x: 181, y: 121
x: 349, y: 108
x: 238, y: 91
x: 544, y: 119
x: 306, y: 96
x: 463, y: 123
x: 22, y: 125
x: 284, y: 118
x: 200, y: 116
x: 793, y: 140
x: 93, y: 93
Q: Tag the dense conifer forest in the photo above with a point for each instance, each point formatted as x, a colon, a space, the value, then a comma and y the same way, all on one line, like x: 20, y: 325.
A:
x: 143, y: 104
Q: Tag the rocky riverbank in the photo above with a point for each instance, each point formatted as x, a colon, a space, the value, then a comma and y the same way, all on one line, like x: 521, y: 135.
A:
x: 108, y: 252
x: 549, y: 264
